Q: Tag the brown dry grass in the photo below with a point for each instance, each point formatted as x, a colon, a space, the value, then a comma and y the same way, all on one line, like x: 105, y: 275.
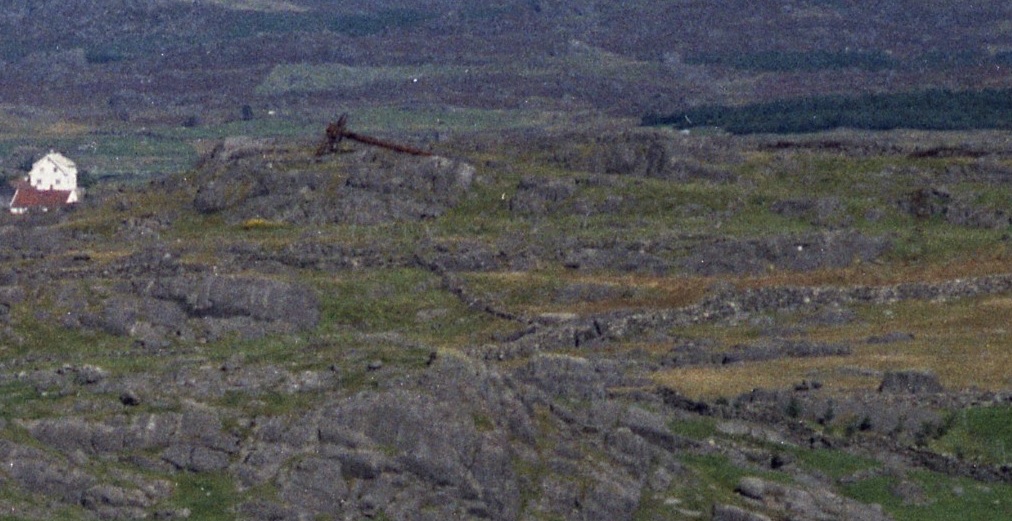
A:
x: 667, y: 292
x: 992, y: 261
x: 531, y: 292
x: 967, y: 343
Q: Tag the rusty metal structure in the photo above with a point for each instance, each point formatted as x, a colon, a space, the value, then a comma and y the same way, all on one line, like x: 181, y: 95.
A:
x: 338, y: 131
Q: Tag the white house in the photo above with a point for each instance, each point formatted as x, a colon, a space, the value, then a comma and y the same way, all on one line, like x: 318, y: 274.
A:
x: 53, y: 172
x: 51, y: 183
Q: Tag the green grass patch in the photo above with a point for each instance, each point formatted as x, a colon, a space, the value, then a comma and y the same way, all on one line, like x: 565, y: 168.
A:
x: 209, y: 497
x: 833, y: 463
x: 756, y: 221
x: 380, y: 300
x: 944, y: 498
x: 934, y: 241
x: 262, y: 125
x: 517, y: 290
x: 697, y: 428
x: 463, y: 119
x: 268, y: 403
x: 127, y: 156
x: 715, y: 478
x: 875, y: 490
x: 21, y: 400
x: 305, y: 77
x: 981, y: 434
x: 40, y: 335
x: 411, y: 302
x: 62, y: 513
x: 717, y: 469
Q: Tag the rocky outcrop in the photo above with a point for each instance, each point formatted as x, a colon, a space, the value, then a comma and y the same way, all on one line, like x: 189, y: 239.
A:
x: 30, y: 242
x: 786, y: 252
x: 29, y: 470
x: 160, y: 312
x: 798, y: 503
x: 915, y: 382
x: 961, y: 210
x: 695, y: 353
x: 443, y: 445
x: 541, y: 196
x: 650, y: 153
x: 367, y: 187
x: 228, y: 297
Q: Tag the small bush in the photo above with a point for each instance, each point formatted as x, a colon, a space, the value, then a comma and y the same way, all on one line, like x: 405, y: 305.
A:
x: 828, y: 415
x: 793, y: 409
x: 103, y: 56
x: 933, y: 430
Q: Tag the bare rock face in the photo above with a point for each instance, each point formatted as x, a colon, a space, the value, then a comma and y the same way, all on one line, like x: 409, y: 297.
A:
x: 626, y: 258
x: 824, y: 211
x: 229, y: 297
x: 315, y: 483
x: 787, y: 252
x: 31, y: 469
x: 541, y: 196
x: 959, y: 209
x: 652, y: 154
x: 123, y: 314
x: 157, y: 313
x: 560, y: 375
x: 366, y: 187
x: 410, y: 423
x: 733, y: 513
x: 444, y: 444
x: 23, y: 242
x: 914, y: 382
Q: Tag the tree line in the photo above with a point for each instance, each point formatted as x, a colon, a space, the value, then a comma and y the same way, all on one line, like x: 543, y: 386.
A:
x: 798, y: 61
x: 933, y: 109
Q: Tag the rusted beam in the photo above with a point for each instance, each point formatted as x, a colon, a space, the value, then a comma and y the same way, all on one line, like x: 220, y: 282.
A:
x: 338, y: 131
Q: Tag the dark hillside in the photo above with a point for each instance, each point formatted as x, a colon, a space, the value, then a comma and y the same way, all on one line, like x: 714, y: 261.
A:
x: 621, y: 57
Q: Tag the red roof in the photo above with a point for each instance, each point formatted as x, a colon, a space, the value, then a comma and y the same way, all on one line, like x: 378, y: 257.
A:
x: 27, y: 196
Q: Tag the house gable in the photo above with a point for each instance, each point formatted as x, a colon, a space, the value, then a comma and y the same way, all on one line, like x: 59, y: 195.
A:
x: 54, y: 172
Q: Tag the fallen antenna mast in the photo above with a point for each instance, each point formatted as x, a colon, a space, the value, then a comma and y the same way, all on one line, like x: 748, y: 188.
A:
x: 339, y: 130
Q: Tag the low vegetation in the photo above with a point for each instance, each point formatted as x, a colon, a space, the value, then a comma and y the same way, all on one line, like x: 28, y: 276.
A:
x: 925, y: 110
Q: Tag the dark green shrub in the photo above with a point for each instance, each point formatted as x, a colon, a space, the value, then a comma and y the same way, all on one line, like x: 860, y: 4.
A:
x: 795, y: 61
x: 793, y: 409
x: 927, y: 110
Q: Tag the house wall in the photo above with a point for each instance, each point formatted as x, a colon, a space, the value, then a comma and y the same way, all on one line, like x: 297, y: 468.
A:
x: 53, y: 172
